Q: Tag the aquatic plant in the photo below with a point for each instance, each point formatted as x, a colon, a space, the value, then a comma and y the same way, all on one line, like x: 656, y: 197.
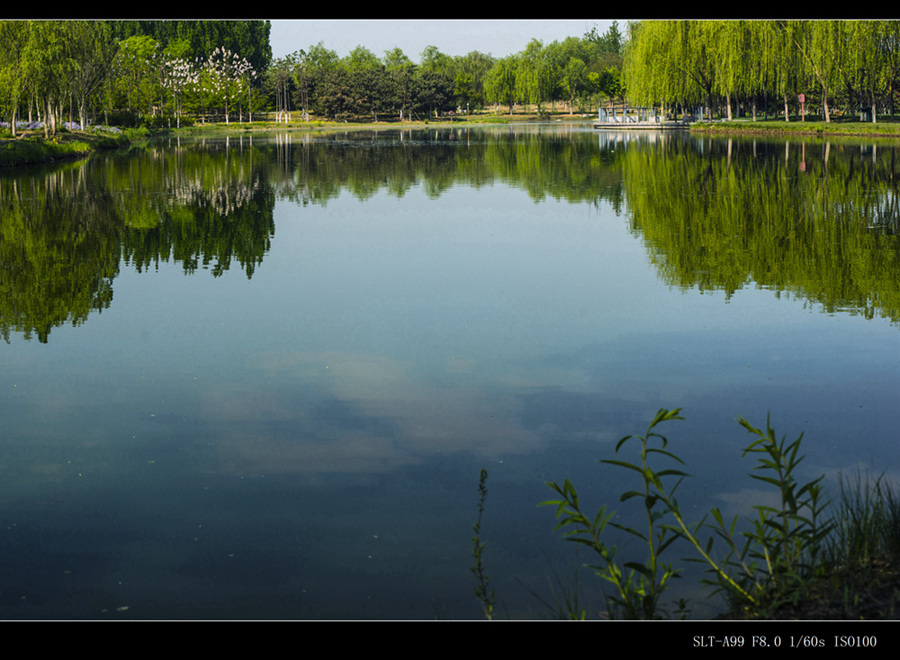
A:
x: 762, y: 565
x: 782, y: 550
x: 482, y: 590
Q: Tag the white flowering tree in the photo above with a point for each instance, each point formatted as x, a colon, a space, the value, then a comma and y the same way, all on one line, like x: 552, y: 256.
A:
x: 178, y: 75
x: 228, y: 77
x: 244, y: 75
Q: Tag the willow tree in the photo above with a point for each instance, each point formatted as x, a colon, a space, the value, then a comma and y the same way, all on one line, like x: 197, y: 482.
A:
x: 890, y: 60
x: 648, y: 68
x: 670, y: 61
x: 729, y: 44
x: 533, y: 75
x: 752, y: 58
x: 500, y: 83
x: 92, y: 50
x: 822, y: 46
x: 471, y: 70
x: 762, y: 69
x: 865, y: 72
x: 699, y: 51
x: 574, y: 80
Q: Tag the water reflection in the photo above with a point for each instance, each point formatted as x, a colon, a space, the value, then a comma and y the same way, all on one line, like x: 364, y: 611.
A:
x: 813, y: 220
x: 816, y: 221
x: 353, y: 415
x: 66, y: 231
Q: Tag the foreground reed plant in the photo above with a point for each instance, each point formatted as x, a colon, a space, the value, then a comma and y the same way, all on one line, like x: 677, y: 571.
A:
x: 800, y: 556
x: 783, y: 549
x: 482, y: 589
x: 780, y: 549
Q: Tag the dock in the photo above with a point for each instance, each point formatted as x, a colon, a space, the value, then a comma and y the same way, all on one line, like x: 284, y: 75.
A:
x: 628, y: 119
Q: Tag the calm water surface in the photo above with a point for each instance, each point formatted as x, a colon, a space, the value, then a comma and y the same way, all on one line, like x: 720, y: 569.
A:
x: 257, y: 377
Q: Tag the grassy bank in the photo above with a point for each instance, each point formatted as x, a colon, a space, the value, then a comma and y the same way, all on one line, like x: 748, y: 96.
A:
x: 321, y: 124
x: 32, y: 148
x: 887, y: 128
x: 811, y: 127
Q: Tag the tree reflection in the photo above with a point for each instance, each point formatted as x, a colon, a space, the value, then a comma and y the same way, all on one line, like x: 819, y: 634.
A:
x: 816, y: 220
x: 64, y: 231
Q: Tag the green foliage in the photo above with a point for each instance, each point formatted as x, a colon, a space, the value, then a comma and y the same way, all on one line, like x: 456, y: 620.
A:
x: 783, y: 548
x: 763, y: 565
x: 167, y: 68
x: 199, y: 38
x: 723, y: 64
x: 638, y: 586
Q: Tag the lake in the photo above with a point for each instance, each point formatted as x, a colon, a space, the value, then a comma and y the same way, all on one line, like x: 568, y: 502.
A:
x: 256, y: 376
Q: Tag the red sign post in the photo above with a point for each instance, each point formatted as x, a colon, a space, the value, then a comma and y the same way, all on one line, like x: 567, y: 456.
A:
x: 802, y: 99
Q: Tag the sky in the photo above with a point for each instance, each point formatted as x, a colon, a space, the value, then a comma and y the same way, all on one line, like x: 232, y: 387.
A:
x: 497, y: 37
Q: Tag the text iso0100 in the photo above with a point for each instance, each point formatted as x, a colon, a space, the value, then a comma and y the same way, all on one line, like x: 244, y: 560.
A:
x: 789, y: 641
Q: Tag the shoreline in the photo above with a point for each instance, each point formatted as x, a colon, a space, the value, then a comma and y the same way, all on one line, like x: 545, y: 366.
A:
x: 32, y: 149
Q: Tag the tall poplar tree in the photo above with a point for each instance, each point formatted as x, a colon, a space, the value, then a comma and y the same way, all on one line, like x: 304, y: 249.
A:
x: 13, y: 41
x: 865, y: 72
x: 47, y: 68
x: 92, y: 50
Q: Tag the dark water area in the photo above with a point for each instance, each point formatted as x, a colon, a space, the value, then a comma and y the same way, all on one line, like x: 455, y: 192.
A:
x: 256, y: 376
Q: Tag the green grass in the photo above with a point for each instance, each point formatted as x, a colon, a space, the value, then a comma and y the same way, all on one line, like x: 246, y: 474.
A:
x: 34, y: 149
x: 850, y: 127
x: 868, y: 517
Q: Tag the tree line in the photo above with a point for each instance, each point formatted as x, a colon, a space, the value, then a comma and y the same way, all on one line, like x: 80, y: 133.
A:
x: 574, y: 72
x: 129, y: 71
x: 164, y: 72
x: 754, y: 66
